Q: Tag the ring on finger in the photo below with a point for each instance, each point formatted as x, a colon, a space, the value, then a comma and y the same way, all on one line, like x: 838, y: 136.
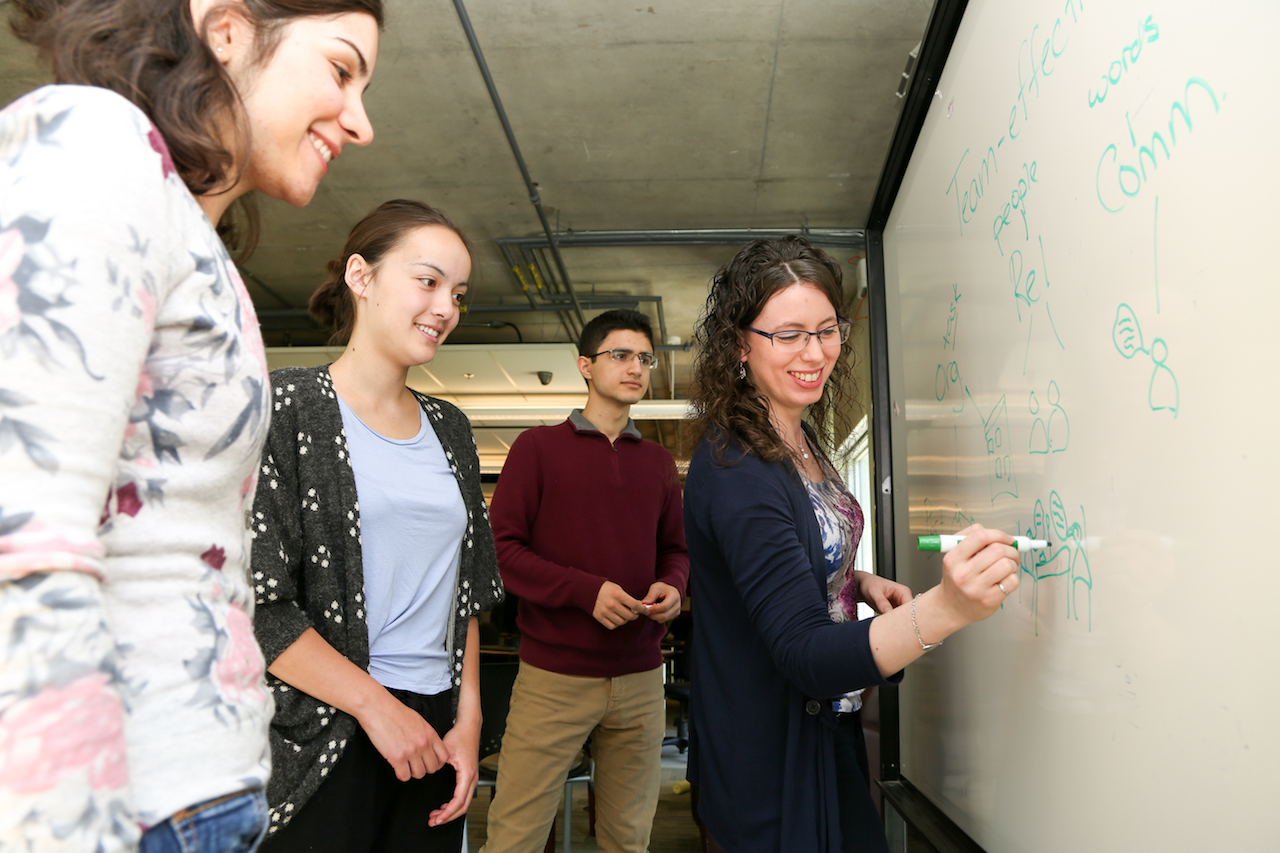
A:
x: 1002, y: 589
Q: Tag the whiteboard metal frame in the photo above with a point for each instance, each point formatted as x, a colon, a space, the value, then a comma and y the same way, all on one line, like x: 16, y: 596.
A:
x: 913, y: 807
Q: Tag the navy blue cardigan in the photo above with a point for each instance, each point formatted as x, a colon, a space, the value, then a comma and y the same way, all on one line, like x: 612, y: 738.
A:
x: 767, y: 659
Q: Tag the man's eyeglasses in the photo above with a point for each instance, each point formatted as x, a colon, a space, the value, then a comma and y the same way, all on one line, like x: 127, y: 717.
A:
x: 622, y: 356
x: 794, y: 340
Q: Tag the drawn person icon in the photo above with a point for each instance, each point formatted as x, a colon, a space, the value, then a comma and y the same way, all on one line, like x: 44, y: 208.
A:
x: 1163, y: 393
x: 1059, y: 426
x: 1039, y: 432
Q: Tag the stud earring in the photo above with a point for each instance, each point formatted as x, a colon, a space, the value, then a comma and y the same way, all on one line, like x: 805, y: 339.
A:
x: 742, y: 370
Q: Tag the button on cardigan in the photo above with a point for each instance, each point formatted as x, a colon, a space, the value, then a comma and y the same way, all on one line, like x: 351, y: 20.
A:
x: 307, y: 570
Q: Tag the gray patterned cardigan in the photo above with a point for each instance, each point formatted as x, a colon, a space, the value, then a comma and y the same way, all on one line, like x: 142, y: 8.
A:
x: 307, y: 569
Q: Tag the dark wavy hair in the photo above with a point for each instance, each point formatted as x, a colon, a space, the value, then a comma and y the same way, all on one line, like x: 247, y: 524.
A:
x: 729, y: 409
x: 150, y: 52
x: 333, y: 305
x: 600, y: 327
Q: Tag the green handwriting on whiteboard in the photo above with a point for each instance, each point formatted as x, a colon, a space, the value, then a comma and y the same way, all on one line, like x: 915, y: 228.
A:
x: 1126, y: 334
x: 1050, y: 431
x: 1067, y: 558
x: 1029, y: 288
x: 1017, y: 205
x: 953, y: 317
x: 1038, y: 55
x: 946, y: 379
x: 1129, y: 54
x: 1116, y: 180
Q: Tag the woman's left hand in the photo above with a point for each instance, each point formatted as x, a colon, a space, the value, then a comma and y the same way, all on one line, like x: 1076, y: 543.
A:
x: 881, y: 593
x: 463, y: 744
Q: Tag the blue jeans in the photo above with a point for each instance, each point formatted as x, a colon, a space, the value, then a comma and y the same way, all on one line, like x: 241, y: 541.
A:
x: 232, y: 824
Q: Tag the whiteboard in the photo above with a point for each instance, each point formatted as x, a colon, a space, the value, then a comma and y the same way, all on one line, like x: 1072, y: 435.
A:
x: 1081, y: 300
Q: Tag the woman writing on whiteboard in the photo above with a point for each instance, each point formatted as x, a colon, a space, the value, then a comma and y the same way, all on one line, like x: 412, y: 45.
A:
x: 134, y: 404
x: 778, y: 654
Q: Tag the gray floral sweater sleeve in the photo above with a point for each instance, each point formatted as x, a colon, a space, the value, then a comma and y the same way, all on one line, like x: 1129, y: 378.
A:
x: 133, y: 410
x: 307, y: 569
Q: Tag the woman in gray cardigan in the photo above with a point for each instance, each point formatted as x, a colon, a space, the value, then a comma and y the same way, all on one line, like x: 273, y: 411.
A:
x: 372, y: 558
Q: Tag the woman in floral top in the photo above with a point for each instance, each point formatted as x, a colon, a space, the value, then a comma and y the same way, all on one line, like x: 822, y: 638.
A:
x: 134, y: 403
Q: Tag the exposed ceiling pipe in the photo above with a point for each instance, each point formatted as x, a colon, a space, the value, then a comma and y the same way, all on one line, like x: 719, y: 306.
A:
x: 534, y: 197
x: 844, y: 238
x: 543, y: 275
x: 515, y: 268
x: 587, y: 305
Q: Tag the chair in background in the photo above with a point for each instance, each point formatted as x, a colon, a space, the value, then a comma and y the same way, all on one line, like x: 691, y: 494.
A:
x: 496, y: 681
x: 675, y: 659
x: 678, y: 691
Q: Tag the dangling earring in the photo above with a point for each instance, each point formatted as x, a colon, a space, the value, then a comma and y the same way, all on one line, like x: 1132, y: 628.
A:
x: 742, y: 370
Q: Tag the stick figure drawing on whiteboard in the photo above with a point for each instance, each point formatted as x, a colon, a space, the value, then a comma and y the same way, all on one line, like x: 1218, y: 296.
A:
x: 1069, y: 557
x: 1126, y: 334
x: 1054, y: 436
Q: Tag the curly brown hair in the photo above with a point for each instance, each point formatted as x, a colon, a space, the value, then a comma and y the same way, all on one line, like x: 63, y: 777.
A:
x: 727, y: 408
x: 150, y: 52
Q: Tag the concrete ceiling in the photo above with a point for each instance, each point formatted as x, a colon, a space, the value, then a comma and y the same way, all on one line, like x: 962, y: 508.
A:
x: 676, y: 114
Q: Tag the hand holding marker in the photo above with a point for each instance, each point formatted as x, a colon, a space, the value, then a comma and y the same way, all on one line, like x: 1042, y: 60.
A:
x: 946, y: 543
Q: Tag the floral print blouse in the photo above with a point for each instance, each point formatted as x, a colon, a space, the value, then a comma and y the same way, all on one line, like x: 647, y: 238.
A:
x: 133, y: 410
x: 841, y: 522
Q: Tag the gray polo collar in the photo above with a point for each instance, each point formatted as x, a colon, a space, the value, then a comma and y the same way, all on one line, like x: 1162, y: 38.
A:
x: 581, y: 424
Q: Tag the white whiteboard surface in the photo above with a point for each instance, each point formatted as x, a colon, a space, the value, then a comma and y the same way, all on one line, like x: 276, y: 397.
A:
x: 1099, y: 369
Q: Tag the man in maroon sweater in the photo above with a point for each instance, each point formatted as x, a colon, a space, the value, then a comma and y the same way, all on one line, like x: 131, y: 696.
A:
x: 587, y: 520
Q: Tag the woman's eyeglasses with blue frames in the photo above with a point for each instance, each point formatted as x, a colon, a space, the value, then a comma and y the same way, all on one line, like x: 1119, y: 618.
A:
x: 794, y: 340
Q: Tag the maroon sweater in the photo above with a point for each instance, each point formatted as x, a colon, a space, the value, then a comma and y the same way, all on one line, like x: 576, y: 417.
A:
x: 571, y: 511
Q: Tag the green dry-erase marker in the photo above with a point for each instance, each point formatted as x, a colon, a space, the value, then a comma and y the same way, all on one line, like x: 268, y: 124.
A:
x: 946, y: 543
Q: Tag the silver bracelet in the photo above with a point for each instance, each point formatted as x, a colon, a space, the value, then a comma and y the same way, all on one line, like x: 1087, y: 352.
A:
x: 924, y: 647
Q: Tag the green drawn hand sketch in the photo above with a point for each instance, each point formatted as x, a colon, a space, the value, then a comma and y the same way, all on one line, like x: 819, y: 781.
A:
x: 1053, y: 437
x: 1126, y: 334
x: 1069, y: 558
x: 995, y: 428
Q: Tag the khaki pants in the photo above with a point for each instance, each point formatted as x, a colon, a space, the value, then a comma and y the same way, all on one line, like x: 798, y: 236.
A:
x: 551, y: 716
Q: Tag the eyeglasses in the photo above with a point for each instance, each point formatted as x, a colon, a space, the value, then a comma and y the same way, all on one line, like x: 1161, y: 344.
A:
x: 622, y: 356
x: 794, y: 340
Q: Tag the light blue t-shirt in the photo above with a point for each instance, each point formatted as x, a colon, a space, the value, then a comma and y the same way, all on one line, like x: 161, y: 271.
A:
x: 412, y: 520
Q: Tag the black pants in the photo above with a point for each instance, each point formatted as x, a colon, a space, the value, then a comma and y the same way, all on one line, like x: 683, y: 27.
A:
x: 861, y: 830
x: 363, y: 808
